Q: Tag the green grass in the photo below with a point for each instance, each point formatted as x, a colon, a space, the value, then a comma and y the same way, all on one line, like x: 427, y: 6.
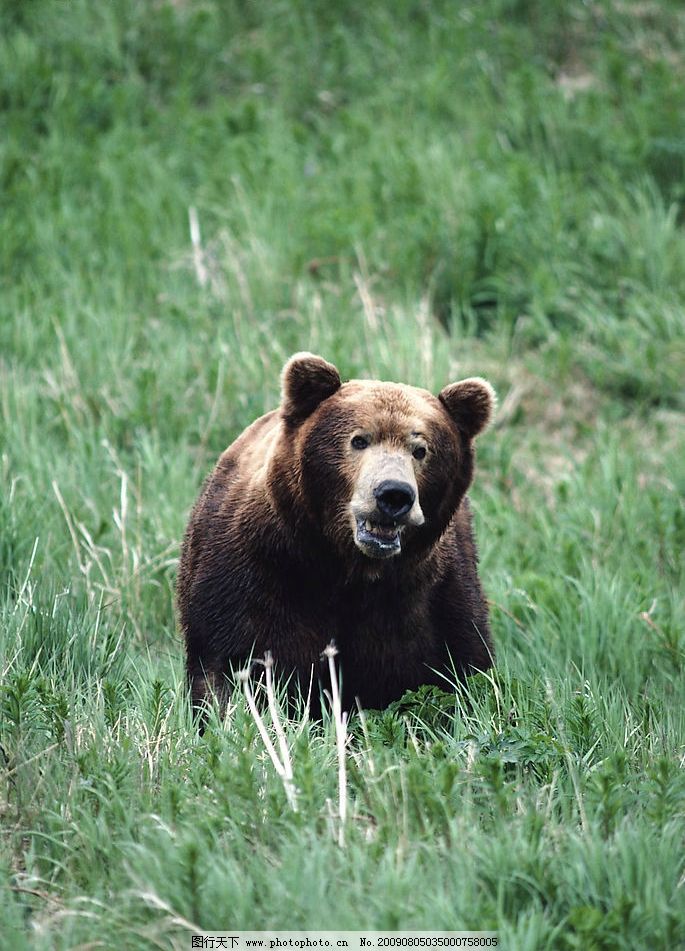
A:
x: 418, y: 192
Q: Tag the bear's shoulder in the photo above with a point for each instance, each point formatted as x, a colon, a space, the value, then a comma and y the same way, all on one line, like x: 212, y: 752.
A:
x: 247, y: 457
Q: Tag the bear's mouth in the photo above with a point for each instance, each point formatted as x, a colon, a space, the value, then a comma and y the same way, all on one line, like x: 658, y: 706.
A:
x: 378, y: 539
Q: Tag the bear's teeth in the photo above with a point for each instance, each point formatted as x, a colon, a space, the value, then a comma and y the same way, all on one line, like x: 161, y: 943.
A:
x: 384, y: 531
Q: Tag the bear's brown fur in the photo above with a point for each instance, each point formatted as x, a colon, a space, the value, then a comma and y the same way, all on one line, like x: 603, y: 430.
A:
x: 342, y: 516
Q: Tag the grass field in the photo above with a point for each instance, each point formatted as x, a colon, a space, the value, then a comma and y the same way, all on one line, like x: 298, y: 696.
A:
x: 418, y: 191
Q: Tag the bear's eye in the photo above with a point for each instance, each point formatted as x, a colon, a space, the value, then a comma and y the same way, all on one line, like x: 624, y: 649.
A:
x: 419, y: 452
x: 360, y: 442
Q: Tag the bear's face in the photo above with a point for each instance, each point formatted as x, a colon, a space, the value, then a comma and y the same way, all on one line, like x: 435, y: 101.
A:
x: 381, y: 467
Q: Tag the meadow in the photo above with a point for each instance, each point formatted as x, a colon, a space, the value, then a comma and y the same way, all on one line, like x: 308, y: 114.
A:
x: 191, y: 190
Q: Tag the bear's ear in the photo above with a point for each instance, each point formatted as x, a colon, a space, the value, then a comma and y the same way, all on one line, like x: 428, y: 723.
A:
x: 306, y: 381
x: 471, y: 404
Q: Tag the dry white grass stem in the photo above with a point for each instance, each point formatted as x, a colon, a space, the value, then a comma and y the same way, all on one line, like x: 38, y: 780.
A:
x: 340, y: 721
x: 70, y: 526
x: 275, y: 718
x: 27, y: 588
x: 283, y: 766
x: 198, y: 253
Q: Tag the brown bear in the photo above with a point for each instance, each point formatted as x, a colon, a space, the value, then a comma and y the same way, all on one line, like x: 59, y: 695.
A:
x: 340, y: 517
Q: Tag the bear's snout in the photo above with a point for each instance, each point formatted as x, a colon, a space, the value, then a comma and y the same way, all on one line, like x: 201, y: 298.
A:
x: 385, y: 502
x: 394, y: 498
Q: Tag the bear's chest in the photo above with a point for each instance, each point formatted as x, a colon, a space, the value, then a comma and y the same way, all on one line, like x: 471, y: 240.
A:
x: 343, y: 615
x: 389, y: 638
x: 383, y: 617
x: 386, y: 643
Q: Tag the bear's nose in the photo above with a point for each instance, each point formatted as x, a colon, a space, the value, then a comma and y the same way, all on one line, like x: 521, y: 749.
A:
x: 394, y: 498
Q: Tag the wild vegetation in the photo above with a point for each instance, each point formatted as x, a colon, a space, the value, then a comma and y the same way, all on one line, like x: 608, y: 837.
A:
x: 191, y: 191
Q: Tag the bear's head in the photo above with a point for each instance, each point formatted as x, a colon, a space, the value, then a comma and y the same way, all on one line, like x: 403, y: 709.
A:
x: 380, y: 468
